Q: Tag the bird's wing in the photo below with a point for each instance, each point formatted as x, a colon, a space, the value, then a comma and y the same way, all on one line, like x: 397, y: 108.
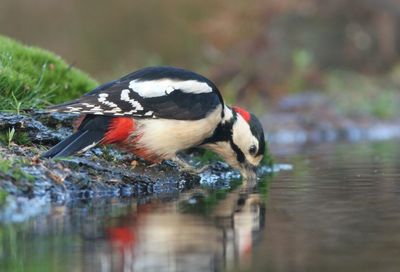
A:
x: 158, y: 92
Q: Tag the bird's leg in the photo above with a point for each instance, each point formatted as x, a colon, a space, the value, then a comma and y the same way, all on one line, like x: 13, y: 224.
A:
x: 185, y: 166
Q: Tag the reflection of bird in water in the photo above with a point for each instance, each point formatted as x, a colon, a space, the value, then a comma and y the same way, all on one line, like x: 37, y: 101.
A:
x: 161, y: 236
x: 241, y: 217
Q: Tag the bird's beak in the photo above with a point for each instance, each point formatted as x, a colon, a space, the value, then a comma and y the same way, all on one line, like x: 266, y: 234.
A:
x: 248, y: 172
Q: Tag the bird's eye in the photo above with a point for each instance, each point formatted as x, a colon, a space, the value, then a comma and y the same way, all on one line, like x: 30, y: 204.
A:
x: 252, y: 150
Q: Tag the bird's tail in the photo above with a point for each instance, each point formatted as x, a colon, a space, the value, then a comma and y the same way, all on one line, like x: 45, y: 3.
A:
x: 81, y: 140
x: 93, y: 130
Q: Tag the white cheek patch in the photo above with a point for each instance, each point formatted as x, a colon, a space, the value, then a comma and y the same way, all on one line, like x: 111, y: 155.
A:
x: 161, y: 87
x: 244, y: 139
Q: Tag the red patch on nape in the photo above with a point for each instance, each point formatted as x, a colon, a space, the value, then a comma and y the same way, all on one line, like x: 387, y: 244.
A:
x: 119, y: 130
x: 245, y: 114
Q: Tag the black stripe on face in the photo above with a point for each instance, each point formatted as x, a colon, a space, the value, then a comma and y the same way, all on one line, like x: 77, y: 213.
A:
x: 240, y: 157
x: 224, y: 133
x: 221, y: 134
x: 239, y: 154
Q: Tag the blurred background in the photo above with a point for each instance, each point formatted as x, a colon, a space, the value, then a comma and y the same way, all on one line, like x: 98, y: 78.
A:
x: 312, y: 70
x: 335, y: 61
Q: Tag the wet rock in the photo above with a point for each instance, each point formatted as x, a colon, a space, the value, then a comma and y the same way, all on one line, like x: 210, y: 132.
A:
x: 88, y: 177
x: 36, y: 131
x: 100, y: 172
x: 55, y: 120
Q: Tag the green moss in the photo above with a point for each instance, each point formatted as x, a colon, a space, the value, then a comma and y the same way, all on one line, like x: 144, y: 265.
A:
x: 7, y: 136
x: 207, y: 156
x: 107, y: 154
x: 12, y: 169
x: 31, y: 77
x: 14, y: 136
x: 3, y: 197
x: 22, y: 138
x: 5, y: 166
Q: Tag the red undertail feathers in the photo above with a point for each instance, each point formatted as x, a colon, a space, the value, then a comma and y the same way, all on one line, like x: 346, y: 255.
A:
x: 119, y: 130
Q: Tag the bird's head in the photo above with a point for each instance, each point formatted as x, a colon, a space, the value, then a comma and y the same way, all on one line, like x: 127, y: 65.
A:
x: 248, y: 136
x: 240, y: 141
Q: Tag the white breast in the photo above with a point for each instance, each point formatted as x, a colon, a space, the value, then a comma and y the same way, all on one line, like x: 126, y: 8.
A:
x: 166, y: 137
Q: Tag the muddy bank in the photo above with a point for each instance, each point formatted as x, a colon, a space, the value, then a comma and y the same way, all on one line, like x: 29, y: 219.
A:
x: 28, y: 184
x: 102, y: 171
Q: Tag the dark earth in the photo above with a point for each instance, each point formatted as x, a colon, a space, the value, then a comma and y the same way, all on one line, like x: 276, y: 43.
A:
x: 102, y: 171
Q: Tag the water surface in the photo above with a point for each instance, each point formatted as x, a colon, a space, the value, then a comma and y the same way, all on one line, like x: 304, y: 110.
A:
x: 337, y: 210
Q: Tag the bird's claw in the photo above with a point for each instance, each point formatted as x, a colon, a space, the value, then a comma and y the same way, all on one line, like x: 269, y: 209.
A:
x: 186, y: 167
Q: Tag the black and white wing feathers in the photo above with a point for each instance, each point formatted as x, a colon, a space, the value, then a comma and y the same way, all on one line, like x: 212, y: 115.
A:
x: 155, y: 92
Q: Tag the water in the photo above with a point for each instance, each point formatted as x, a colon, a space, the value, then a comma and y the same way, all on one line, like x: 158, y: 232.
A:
x: 337, y: 210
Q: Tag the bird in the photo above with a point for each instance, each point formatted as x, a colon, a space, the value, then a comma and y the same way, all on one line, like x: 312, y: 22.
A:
x: 157, y: 113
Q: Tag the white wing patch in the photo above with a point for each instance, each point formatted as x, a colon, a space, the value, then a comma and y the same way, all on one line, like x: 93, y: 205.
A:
x: 145, y: 89
x: 103, y: 99
x: 161, y: 87
x: 135, y: 104
x: 112, y: 107
x: 74, y: 109
x: 87, y: 105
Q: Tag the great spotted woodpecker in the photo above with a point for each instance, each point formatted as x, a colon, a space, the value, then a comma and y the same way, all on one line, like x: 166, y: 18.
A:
x: 157, y: 112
